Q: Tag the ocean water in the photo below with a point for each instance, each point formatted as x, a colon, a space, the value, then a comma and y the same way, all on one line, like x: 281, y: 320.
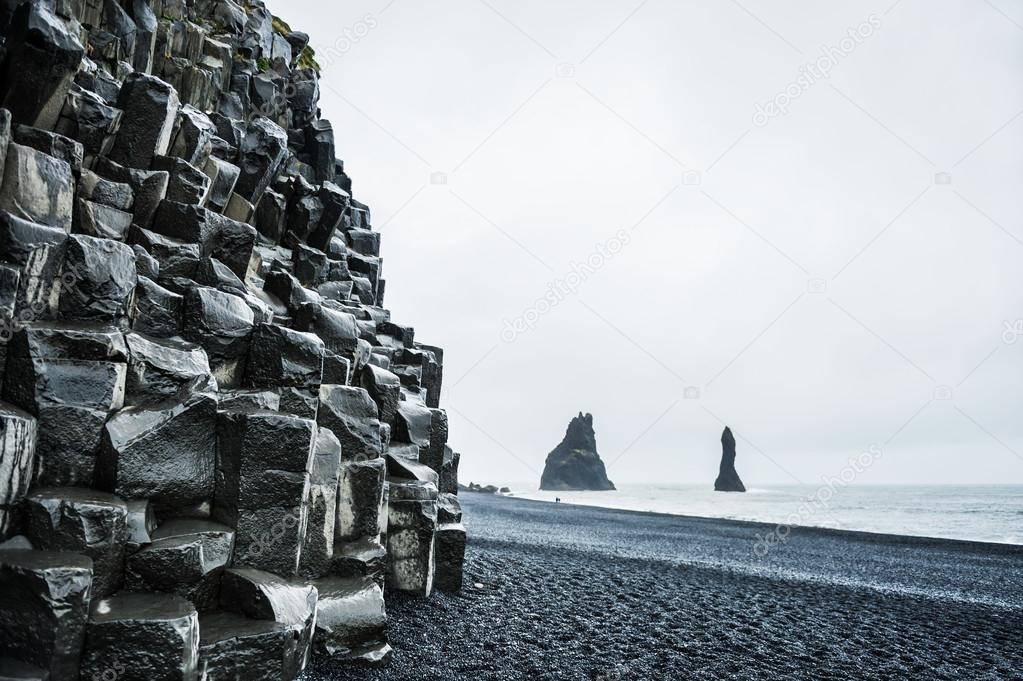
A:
x: 989, y: 513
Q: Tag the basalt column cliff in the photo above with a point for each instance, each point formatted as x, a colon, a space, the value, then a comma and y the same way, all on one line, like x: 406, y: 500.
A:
x: 217, y: 450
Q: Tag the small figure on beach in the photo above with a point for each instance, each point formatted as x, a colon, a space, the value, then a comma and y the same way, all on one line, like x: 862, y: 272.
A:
x: 728, y: 479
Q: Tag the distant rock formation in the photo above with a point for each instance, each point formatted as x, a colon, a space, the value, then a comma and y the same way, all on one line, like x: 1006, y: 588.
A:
x: 728, y: 480
x: 574, y: 464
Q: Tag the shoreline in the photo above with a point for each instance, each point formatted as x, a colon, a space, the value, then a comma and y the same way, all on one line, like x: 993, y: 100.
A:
x: 567, y: 591
x: 867, y: 534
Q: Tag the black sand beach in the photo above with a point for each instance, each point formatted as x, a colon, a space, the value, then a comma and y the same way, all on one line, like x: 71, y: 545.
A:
x: 568, y: 592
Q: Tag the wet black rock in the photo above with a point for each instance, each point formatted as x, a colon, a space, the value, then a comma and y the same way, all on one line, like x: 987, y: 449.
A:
x: 46, y: 605
x: 351, y: 621
x: 197, y: 369
x: 574, y: 464
x: 264, y: 596
x: 82, y: 521
x: 234, y: 647
x: 17, y: 454
x: 142, y: 637
x: 728, y: 479
x: 164, y: 452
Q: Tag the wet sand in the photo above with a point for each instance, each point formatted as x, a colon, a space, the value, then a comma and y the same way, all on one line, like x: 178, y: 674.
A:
x: 554, y: 591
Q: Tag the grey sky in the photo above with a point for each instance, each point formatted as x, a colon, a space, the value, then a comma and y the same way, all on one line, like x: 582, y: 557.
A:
x: 813, y: 274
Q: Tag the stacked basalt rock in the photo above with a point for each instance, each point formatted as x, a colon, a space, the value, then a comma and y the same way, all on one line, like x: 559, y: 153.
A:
x: 217, y: 450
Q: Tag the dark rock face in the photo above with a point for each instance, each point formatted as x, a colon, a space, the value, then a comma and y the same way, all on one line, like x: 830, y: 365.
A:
x: 211, y: 430
x: 574, y: 464
x: 728, y: 480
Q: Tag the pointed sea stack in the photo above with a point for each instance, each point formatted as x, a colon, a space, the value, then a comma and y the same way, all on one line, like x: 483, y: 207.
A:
x: 728, y: 480
x: 574, y: 464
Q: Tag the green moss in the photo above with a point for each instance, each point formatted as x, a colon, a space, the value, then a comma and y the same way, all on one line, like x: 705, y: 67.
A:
x: 263, y: 63
x: 307, y: 60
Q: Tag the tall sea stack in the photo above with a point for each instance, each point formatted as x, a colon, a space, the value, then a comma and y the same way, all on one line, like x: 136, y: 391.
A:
x: 217, y: 448
x: 574, y: 464
x: 728, y: 479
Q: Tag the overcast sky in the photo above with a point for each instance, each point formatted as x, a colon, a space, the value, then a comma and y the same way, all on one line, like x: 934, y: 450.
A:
x: 665, y: 213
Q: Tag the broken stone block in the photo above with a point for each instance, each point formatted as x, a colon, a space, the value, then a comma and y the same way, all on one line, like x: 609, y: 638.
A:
x: 402, y: 462
x: 338, y: 330
x: 319, y: 144
x: 17, y: 456
x: 239, y: 209
x: 165, y: 453
x: 177, y: 258
x: 83, y: 521
x: 290, y: 293
x: 186, y: 557
x: 45, y: 608
x: 411, y: 527
x: 262, y: 485
x: 150, y: 107
x: 106, y: 192
x: 303, y: 403
x: 318, y: 547
x: 157, y: 311
x: 96, y: 219
x: 52, y: 144
x: 42, y: 54
x: 70, y: 377
x: 99, y: 279
x: 352, y: 415
x: 141, y: 523
x: 38, y: 251
x: 281, y: 358
x: 222, y: 324
x: 215, y: 274
x: 360, y: 497
x: 385, y: 389
x: 365, y: 557
x: 311, y: 265
x: 271, y: 212
x: 146, y: 265
x: 159, y: 369
x: 351, y: 621
x: 188, y: 184
x: 86, y: 117
x: 193, y: 136
x: 149, y: 187
x: 223, y: 177
x: 234, y: 244
x: 448, y: 474
x: 37, y: 187
x: 449, y: 556
x: 413, y: 423
x: 265, y: 596
x: 249, y: 400
x: 232, y: 647
x: 154, y: 637
x: 364, y: 241
x: 263, y: 150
